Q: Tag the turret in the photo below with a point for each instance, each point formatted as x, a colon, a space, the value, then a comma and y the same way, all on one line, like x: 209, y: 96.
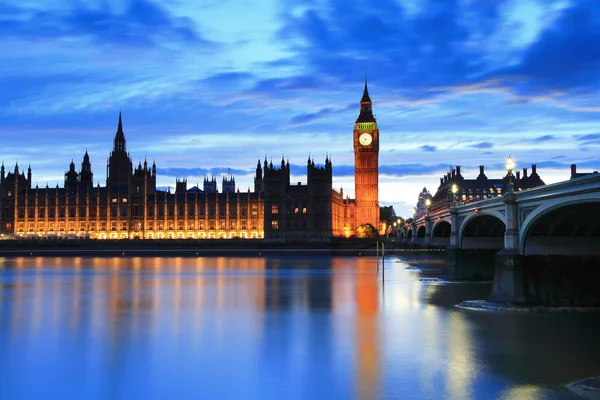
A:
x: 86, y: 177
x: 180, y: 185
x: 258, y: 178
x: 29, y: 176
x: 2, y: 173
x: 71, y: 177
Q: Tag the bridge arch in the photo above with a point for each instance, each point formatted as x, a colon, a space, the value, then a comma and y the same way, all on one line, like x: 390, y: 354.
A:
x: 562, y: 227
x: 440, y: 233
x: 421, y: 234
x: 482, y: 230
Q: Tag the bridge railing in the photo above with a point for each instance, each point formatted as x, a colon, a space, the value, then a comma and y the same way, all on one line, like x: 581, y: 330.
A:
x: 564, y: 186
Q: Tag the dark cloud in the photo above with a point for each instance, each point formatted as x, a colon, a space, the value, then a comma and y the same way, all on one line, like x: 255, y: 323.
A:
x: 482, y: 145
x: 566, y: 54
x: 143, y: 23
x: 445, y: 45
x: 588, y: 137
x: 303, y: 119
x: 428, y: 148
x: 540, y: 139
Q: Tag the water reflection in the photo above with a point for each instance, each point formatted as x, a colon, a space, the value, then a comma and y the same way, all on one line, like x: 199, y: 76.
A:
x: 305, y: 327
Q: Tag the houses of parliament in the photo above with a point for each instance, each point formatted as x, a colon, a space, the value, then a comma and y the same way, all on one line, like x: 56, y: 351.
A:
x: 131, y: 206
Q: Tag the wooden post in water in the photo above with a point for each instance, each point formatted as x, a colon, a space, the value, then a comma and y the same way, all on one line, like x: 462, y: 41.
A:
x: 377, y: 255
x: 382, y: 261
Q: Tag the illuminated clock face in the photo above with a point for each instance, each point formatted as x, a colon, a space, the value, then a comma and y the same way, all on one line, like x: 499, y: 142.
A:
x: 365, y: 139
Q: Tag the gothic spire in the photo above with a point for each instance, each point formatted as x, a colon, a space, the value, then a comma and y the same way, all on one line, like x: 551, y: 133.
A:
x: 120, y: 136
x: 366, y: 112
x: 120, y: 127
x: 365, y: 96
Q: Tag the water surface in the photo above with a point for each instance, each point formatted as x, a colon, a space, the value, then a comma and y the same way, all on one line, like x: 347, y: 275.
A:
x: 274, y: 328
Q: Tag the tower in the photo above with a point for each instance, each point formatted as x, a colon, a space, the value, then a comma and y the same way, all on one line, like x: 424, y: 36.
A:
x: 119, y: 167
x: 71, y: 177
x: 86, y: 176
x: 366, y: 164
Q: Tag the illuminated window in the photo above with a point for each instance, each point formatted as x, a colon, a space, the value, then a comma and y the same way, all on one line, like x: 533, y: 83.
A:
x: 296, y: 210
x: 274, y: 209
x: 304, y: 210
x: 114, y: 200
x: 275, y: 224
x: 124, y: 200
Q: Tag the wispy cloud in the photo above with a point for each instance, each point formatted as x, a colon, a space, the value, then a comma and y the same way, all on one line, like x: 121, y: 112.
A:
x: 482, y: 145
x: 428, y: 148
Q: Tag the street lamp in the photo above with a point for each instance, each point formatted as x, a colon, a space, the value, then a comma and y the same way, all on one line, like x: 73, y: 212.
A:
x: 454, y: 190
x: 510, y: 165
x: 414, y: 212
x: 428, y: 203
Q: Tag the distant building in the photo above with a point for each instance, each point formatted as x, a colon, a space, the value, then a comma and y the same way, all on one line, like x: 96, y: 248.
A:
x: 482, y: 187
x: 421, y: 206
x: 387, y: 217
x: 575, y: 174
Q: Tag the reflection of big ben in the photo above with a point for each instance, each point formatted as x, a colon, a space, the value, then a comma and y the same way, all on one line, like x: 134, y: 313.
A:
x: 366, y: 164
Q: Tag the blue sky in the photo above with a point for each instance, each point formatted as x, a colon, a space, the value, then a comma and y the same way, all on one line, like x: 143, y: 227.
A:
x: 207, y: 86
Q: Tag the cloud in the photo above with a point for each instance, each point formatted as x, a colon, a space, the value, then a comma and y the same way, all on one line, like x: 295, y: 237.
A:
x: 217, y: 171
x: 541, y: 139
x: 428, y: 148
x: 307, y: 118
x: 482, y: 145
x: 143, y: 23
x: 588, y: 137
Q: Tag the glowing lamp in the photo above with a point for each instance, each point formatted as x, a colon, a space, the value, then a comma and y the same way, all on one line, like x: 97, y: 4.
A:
x: 510, y: 164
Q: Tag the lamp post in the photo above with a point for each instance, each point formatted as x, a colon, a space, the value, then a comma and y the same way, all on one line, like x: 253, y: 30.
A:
x: 510, y: 164
x: 428, y: 203
x: 454, y: 190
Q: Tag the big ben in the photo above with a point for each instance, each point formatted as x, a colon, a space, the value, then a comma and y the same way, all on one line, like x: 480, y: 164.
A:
x: 366, y: 164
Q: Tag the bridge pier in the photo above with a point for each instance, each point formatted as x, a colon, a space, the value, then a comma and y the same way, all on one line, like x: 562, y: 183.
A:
x: 508, y: 283
x: 414, y: 234
x: 468, y: 265
x: 454, y: 228
x: 427, y: 238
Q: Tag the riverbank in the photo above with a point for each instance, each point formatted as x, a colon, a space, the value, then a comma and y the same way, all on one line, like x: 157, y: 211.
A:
x: 484, y: 305
x: 193, y: 248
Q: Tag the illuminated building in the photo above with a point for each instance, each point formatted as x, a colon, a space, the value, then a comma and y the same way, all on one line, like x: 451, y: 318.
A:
x: 130, y: 205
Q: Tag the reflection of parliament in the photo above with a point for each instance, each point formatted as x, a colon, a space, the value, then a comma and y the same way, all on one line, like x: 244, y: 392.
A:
x: 130, y: 205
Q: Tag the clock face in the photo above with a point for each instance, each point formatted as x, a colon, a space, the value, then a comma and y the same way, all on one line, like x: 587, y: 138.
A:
x: 365, y: 139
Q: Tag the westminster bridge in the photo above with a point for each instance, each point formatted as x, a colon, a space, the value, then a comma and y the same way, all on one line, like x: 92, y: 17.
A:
x: 548, y: 222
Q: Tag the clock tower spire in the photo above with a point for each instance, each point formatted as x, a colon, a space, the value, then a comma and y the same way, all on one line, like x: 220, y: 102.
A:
x: 366, y: 164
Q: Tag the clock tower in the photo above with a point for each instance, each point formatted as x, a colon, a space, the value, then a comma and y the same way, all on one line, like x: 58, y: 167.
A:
x: 366, y: 164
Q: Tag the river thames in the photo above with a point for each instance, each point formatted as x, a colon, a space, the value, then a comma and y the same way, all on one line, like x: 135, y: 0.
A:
x: 304, y: 327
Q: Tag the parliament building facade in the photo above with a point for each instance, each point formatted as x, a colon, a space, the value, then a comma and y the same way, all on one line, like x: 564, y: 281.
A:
x: 130, y: 205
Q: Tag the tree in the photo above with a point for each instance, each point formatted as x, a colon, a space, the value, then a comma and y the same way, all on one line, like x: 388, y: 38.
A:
x: 366, y: 231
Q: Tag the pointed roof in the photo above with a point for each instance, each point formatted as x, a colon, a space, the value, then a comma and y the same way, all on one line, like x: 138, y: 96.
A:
x: 120, y: 127
x: 365, y: 97
x: 366, y: 112
x: 120, y: 136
